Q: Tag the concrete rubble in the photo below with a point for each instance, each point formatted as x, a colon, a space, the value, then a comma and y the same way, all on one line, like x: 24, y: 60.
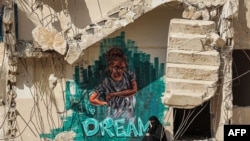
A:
x: 72, y: 47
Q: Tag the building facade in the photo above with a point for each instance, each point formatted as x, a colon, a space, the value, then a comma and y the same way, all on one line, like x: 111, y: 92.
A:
x: 190, y: 60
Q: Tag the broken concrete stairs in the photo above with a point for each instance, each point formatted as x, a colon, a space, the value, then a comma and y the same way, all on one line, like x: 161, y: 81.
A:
x: 192, y: 68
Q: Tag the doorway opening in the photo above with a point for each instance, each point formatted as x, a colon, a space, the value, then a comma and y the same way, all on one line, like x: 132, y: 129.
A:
x: 193, y: 123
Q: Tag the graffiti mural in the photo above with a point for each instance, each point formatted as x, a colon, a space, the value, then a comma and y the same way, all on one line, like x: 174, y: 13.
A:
x: 113, y: 118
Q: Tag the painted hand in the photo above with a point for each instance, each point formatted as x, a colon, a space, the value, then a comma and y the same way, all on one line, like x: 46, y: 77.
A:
x: 104, y: 103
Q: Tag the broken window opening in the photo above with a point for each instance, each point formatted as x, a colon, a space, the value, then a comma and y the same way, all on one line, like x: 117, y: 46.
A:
x: 192, y: 123
x: 241, y: 77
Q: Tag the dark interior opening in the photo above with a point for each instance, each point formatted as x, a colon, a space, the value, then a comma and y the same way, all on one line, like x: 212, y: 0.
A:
x: 241, y: 77
x: 199, y: 120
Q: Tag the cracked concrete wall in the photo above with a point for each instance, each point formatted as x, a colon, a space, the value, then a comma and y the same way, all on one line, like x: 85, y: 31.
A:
x: 53, y: 13
x: 64, y: 25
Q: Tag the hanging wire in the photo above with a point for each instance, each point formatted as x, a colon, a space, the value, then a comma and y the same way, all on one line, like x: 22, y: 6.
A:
x: 35, y: 111
x: 237, y: 74
x: 47, y: 100
x: 26, y: 125
x: 183, y: 123
x: 34, y: 6
x: 183, y: 127
x: 52, y: 92
x: 194, y: 118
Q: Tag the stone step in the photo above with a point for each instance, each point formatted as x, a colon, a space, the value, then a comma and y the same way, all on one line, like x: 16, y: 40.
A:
x: 194, y: 57
x: 183, y: 99
x: 193, y: 72
x: 187, y: 94
x: 192, y: 69
x: 184, y: 41
x: 191, y: 26
x: 195, y: 86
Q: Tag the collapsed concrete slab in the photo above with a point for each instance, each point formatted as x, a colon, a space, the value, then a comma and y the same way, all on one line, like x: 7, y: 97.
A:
x: 49, y: 40
x: 193, y: 64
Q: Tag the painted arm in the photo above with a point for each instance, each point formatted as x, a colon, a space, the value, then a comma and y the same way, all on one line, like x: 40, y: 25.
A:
x: 94, y: 99
x: 124, y: 93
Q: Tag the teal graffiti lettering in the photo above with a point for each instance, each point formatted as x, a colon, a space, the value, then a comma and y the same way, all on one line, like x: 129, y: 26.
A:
x: 114, y: 127
x: 131, y: 127
x: 119, y: 128
x: 141, y: 127
x: 105, y: 125
x: 90, y: 126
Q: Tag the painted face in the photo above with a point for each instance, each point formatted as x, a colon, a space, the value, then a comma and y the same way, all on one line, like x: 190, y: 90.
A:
x: 117, y: 69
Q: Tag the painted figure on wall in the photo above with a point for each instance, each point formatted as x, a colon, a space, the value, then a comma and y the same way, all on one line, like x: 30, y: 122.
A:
x: 105, y: 100
x: 118, y: 88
